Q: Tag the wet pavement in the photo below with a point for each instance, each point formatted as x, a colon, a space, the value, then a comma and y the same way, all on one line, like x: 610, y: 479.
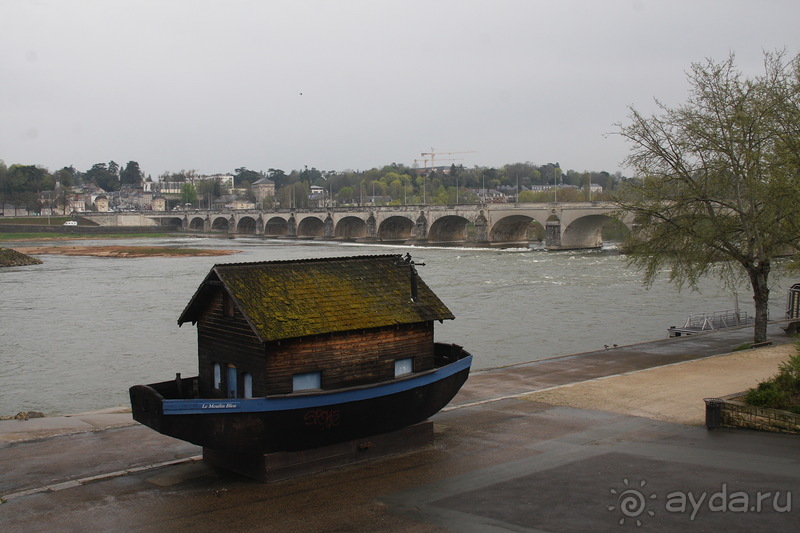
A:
x: 499, y: 463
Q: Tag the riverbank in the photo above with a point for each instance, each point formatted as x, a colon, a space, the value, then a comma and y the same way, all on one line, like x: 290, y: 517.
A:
x: 123, y: 251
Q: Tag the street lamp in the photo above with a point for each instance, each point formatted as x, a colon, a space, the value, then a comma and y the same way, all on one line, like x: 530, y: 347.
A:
x: 556, y: 176
x: 555, y: 186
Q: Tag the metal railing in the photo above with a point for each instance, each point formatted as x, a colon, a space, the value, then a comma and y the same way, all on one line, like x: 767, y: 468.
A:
x: 717, y: 320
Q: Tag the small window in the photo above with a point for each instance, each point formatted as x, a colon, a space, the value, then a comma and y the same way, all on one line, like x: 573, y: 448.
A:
x: 248, y: 385
x: 403, y: 366
x: 217, y: 376
x: 306, y: 381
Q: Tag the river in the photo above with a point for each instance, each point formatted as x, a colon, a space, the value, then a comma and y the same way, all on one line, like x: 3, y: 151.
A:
x: 78, y: 331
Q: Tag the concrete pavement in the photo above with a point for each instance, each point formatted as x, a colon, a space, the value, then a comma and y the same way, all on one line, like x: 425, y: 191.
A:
x: 499, y: 463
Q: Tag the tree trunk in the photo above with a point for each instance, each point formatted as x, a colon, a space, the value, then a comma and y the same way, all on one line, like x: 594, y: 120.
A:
x: 758, y: 279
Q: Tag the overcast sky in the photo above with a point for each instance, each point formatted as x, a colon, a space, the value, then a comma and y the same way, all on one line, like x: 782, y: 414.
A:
x: 344, y: 84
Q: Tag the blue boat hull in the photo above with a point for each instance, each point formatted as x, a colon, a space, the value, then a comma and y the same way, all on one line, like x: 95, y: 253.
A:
x: 298, y: 421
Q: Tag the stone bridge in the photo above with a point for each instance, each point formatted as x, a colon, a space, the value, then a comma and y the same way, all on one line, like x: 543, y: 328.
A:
x: 562, y: 226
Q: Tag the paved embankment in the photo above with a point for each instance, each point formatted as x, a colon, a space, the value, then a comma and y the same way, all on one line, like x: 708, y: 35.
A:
x: 519, y: 380
x: 500, y: 462
x: 675, y: 392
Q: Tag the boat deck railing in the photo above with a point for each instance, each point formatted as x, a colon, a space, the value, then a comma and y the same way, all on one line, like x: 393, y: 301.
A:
x: 179, y: 388
x: 444, y: 354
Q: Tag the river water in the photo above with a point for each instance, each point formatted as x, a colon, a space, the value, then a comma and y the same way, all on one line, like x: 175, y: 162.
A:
x: 76, y: 332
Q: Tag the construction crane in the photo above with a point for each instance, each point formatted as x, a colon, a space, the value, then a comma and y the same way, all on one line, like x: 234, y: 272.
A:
x: 433, y: 153
x: 425, y: 167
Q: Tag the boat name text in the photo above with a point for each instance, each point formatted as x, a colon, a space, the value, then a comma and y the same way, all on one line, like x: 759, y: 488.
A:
x: 219, y: 406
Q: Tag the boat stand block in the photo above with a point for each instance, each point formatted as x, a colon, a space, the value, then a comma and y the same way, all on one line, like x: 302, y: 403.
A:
x: 277, y: 466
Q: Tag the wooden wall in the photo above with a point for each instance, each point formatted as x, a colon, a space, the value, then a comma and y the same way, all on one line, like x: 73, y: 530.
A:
x: 351, y: 358
x: 343, y: 359
x: 227, y: 340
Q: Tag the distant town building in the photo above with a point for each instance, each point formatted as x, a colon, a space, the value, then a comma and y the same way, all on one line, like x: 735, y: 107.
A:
x: 240, y: 203
x: 489, y: 195
x: 101, y: 203
x: 225, y: 180
x: 263, y: 188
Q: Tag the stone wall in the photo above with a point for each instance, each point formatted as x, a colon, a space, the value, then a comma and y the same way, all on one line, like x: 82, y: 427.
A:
x: 736, y: 413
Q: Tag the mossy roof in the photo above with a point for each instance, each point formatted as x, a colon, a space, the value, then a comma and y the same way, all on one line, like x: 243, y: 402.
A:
x: 290, y: 299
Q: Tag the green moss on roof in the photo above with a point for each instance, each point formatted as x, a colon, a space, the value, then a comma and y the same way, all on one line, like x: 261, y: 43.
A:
x: 289, y: 299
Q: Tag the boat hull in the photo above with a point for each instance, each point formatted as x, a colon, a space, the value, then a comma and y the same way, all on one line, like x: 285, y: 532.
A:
x: 297, y: 422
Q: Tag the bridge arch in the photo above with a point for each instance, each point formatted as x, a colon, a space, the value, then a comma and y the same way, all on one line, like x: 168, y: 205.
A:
x: 173, y: 221
x: 220, y: 224
x: 516, y: 228
x: 615, y: 230
x: 276, y: 227
x: 311, y: 227
x: 584, y: 232
x: 197, y: 224
x: 396, y: 228
x: 247, y: 224
x: 449, y: 228
x: 350, y: 227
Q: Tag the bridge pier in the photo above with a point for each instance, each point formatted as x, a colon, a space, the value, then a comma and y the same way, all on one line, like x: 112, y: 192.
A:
x: 420, y: 232
x: 328, y: 231
x: 481, y: 229
x: 372, y: 228
x: 552, y: 236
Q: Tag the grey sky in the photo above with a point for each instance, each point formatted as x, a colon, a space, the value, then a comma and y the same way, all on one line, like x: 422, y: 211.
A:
x: 215, y: 85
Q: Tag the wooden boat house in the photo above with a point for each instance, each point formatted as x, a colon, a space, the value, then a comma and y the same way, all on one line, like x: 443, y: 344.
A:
x: 308, y: 363
x: 280, y: 327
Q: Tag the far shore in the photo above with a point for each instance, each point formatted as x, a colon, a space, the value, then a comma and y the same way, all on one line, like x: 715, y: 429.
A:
x: 122, y: 251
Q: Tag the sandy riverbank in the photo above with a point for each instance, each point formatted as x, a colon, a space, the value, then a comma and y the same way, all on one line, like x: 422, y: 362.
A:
x: 672, y: 393
x: 122, y: 251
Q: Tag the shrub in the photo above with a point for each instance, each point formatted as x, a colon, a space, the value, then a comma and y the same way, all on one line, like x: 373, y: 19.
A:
x: 782, y: 390
x: 788, y: 376
x: 767, y: 394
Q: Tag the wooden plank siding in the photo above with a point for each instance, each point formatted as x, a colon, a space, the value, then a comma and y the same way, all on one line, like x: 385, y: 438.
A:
x: 227, y: 340
x: 343, y: 359
x: 350, y: 358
